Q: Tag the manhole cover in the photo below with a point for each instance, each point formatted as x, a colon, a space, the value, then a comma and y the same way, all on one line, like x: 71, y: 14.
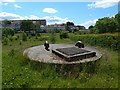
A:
x: 73, y: 53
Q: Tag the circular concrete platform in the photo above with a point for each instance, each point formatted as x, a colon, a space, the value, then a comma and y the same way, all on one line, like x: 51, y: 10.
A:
x: 38, y: 53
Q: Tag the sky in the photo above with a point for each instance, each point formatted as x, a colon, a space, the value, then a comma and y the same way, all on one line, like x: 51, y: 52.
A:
x: 81, y: 13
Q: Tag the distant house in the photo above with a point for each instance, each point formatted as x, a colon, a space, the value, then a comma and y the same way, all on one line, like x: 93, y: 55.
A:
x: 15, y: 24
x: 56, y: 27
x: 82, y: 28
x: 41, y: 22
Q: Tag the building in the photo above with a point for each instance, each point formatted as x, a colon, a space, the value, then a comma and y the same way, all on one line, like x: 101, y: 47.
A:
x: 56, y: 27
x: 15, y: 24
x: 80, y: 27
x: 41, y: 22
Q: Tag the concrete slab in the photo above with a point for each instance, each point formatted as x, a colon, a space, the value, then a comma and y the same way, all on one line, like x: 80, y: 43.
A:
x: 39, y: 53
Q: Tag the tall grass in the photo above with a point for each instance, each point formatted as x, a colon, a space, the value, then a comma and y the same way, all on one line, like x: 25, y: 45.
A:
x: 104, y: 40
x: 20, y: 72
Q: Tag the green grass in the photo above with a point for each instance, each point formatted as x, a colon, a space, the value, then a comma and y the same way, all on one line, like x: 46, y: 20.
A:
x: 20, y: 72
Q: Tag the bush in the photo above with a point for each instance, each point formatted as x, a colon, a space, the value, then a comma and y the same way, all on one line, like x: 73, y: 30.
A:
x: 38, y: 34
x: 15, y: 37
x: 104, y: 40
x: 24, y: 36
x: 10, y: 38
x: 20, y: 42
x: 5, y: 41
x: 8, y: 31
x: 53, y: 37
x: 18, y: 36
x: 29, y: 36
x: 64, y: 34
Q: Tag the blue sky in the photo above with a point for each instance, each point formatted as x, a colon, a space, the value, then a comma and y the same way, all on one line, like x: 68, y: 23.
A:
x: 81, y: 13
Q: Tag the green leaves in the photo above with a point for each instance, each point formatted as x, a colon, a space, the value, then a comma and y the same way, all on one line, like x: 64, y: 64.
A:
x: 103, y: 40
x: 64, y: 34
x: 24, y: 36
x: 8, y: 31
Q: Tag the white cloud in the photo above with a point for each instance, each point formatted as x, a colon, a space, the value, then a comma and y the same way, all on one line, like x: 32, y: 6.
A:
x: 49, y: 10
x: 31, y: 17
x: 17, y: 6
x: 103, y: 3
x: 89, y: 23
x: 55, y: 19
x: 49, y: 19
x: 10, y: 16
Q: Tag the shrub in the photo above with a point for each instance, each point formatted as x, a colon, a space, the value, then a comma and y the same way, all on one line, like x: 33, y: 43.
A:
x: 15, y: 37
x: 10, y: 38
x: 29, y: 36
x: 64, y: 34
x: 18, y: 36
x: 53, y: 37
x: 38, y: 34
x: 8, y: 31
x: 20, y: 42
x: 36, y: 37
x: 5, y: 41
x: 24, y: 36
x: 104, y: 40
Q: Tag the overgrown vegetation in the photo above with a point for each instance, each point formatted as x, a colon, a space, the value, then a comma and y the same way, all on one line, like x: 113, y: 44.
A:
x: 20, y: 72
x: 106, y: 25
x: 104, y: 40
x: 53, y: 37
x: 8, y: 32
x: 64, y: 34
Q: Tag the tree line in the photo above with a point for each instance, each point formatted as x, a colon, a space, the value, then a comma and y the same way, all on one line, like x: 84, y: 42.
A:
x: 106, y: 25
x: 103, y: 25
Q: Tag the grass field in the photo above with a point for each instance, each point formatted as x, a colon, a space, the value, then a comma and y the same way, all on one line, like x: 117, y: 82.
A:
x: 20, y: 72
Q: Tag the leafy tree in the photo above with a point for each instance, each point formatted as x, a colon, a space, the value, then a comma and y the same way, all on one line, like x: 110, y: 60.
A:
x: 27, y: 25
x: 90, y: 27
x: 8, y: 31
x: 105, y: 25
x: 36, y: 26
x: 7, y: 22
x: 117, y: 19
x: 69, y: 25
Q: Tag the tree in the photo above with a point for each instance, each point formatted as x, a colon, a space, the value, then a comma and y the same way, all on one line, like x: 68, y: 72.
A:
x: 69, y: 26
x: 117, y: 19
x: 106, y: 25
x: 8, y: 31
x: 90, y: 27
x: 7, y: 22
x: 27, y: 25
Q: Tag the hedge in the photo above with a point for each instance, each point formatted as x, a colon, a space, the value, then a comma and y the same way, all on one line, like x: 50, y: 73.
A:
x: 104, y: 40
